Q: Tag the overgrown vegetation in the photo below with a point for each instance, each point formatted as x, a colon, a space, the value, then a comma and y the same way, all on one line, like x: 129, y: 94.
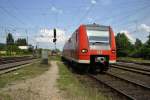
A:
x: 23, y: 73
x: 58, y: 58
x: 72, y: 87
x: 4, y: 96
x: 131, y: 59
x: 137, y: 50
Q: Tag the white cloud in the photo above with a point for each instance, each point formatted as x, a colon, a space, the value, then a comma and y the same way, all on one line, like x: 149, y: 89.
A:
x: 46, y: 38
x: 17, y: 34
x: 144, y: 27
x: 93, y: 1
x: 90, y: 20
x: 131, y: 39
x: 56, y: 10
x: 53, y: 9
x: 46, y: 35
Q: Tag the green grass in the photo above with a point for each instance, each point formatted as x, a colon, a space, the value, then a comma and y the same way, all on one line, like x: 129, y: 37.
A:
x: 73, y: 89
x: 29, y: 71
x: 57, y: 58
x: 140, y: 60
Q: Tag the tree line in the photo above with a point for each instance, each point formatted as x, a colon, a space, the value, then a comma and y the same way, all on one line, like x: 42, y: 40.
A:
x: 11, y: 46
x: 126, y: 49
x: 18, y: 42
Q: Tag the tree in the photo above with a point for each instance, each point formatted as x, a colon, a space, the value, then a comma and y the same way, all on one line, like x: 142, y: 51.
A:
x: 2, y: 46
x: 124, y: 46
x: 137, y: 52
x: 148, y: 41
x: 138, y: 44
x: 10, y: 39
x: 10, y: 44
x: 31, y: 48
x: 145, y: 51
x: 21, y: 42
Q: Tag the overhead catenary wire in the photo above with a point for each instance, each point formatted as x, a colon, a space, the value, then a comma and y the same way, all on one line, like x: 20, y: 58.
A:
x: 11, y: 15
x: 17, y: 10
x: 91, y: 7
x: 121, y: 20
x: 84, y: 15
x: 119, y: 14
x: 135, y: 22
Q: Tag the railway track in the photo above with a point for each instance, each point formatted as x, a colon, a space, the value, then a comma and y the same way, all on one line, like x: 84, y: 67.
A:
x: 133, y: 65
x: 7, y: 60
x: 135, y: 62
x: 130, y: 85
x: 130, y: 90
x: 14, y: 63
x: 132, y: 69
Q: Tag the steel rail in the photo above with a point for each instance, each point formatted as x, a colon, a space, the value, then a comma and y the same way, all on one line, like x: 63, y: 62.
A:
x: 132, y: 84
x: 132, y: 69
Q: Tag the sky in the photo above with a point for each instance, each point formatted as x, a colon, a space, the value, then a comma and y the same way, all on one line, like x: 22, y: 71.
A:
x: 36, y: 19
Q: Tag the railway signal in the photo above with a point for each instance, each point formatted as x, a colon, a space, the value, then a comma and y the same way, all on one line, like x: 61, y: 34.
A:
x: 54, y: 33
x: 54, y: 39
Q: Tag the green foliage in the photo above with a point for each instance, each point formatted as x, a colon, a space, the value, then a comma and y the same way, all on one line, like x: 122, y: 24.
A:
x: 74, y: 89
x: 145, y: 50
x: 138, y: 44
x: 57, y: 50
x: 148, y: 41
x: 2, y: 46
x: 10, y: 39
x: 21, y: 42
x: 57, y: 58
x: 11, y: 47
x: 124, y: 46
x: 126, y: 49
x: 30, y: 49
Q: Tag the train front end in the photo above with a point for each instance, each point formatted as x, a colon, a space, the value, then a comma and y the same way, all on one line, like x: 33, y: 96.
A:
x: 100, y: 50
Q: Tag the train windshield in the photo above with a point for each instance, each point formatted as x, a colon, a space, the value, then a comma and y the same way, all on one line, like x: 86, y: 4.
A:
x: 98, y: 39
x: 98, y: 36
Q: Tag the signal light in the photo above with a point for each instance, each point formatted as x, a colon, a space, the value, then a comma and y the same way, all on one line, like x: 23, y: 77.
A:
x: 54, y: 40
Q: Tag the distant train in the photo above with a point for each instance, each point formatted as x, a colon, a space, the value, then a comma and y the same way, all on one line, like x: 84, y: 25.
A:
x: 92, y: 46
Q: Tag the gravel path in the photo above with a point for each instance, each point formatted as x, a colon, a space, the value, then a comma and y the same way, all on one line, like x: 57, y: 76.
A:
x: 39, y: 88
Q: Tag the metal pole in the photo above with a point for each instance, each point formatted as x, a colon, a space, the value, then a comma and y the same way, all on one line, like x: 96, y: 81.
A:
x: 27, y: 35
x: 6, y: 41
x: 55, y: 45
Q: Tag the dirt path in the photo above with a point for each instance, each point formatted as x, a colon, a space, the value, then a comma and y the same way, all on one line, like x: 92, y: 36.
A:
x: 39, y: 88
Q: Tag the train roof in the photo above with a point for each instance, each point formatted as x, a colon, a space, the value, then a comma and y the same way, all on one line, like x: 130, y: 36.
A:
x: 97, y: 27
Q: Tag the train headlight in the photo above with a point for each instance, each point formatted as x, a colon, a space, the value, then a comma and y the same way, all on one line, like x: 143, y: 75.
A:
x: 84, y: 50
x: 113, y: 51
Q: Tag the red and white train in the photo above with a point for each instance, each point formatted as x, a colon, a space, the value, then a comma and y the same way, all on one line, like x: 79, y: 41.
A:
x: 92, y: 46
